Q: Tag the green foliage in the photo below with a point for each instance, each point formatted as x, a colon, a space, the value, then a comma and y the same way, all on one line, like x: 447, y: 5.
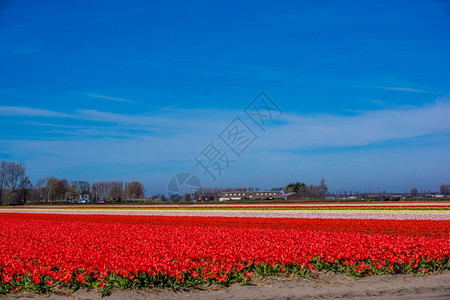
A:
x: 194, y: 278
x: 296, y: 187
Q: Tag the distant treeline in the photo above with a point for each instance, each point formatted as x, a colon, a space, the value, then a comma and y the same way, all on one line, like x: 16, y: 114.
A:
x: 16, y: 188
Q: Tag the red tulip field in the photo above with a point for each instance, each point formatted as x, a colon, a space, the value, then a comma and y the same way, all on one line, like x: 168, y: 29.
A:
x: 41, y: 250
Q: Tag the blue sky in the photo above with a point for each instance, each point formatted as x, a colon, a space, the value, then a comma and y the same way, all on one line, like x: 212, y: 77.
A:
x: 134, y: 90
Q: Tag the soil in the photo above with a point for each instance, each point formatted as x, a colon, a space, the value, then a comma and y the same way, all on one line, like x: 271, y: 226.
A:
x: 327, y: 286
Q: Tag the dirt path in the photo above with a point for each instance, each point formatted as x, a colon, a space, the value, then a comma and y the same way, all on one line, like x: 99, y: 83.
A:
x: 328, y: 286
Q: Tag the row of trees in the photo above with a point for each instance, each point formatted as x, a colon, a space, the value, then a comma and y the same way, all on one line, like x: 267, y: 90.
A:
x: 52, y: 189
x: 444, y: 190
x: 117, y: 190
x: 304, y: 191
x: 16, y: 188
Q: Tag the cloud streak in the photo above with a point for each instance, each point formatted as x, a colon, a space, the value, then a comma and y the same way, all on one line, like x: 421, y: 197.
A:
x: 23, y: 111
x: 294, y: 131
x: 115, y: 144
x: 364, y: 128
x: 405, y: 89
x: 110, y: 98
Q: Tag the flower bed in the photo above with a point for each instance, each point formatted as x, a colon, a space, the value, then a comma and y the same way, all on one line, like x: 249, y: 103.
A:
x: 42, y: 251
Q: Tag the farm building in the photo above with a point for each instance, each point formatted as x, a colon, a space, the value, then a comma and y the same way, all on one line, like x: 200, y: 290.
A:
x: 275, y: 193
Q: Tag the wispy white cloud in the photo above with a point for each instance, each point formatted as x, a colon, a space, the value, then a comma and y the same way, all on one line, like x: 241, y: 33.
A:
x: 179, y: 120
x: 170, y: 122
x: 169, y: 140
x: 31, y: 112
x: 54, y: 125
x: 109, y: 117
x: 377, y: 102
x: 111, y: 98
x: 363, y: 128
x: 294, y: 132
x: 405, y: 89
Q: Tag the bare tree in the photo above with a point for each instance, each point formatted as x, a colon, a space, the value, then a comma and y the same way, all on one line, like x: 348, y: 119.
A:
x: 78, y: 188
x: 444, y: 189
x: 33, y: 195
x: 51, y: 187
x: 15, y: 172
x: 99, y: 190
x: 3, y: 166
x: 55, y: 189
x: 21, y: 194
x: 313, y: 192
x: 134, y: 190
x: 82, y: 187
x: 41, y: 187
x: 116, y: 190
x: 414, y: 192
x: 44, y: 187
x: 323, y: 189
x: 14, y: 180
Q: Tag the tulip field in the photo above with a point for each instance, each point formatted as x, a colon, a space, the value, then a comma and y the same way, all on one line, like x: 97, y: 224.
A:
x: 100, y: 247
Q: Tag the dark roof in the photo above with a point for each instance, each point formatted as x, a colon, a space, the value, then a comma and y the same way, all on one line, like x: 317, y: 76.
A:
x: 275, y: 189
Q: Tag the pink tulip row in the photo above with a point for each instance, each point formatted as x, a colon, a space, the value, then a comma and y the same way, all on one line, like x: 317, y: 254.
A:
x: 262, y: 214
